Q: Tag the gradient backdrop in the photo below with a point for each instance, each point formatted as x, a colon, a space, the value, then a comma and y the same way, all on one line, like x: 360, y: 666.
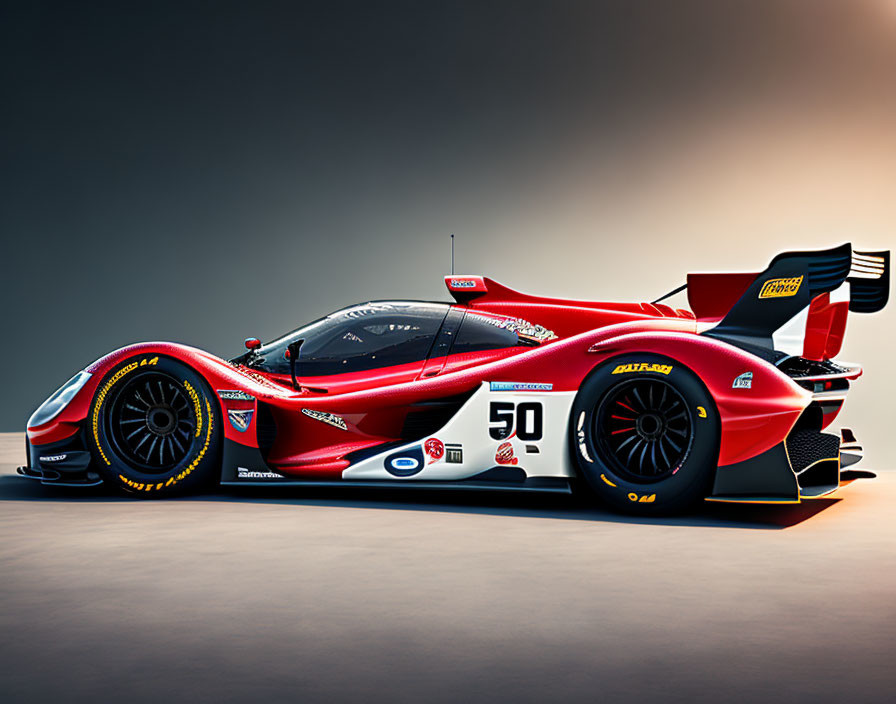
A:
x: 202, y: 172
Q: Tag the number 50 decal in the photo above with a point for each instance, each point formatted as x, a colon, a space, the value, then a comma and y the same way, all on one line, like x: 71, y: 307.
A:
x: 506, y: 417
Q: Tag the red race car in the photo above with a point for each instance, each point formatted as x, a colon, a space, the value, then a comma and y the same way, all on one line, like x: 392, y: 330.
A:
x: 651, y: 407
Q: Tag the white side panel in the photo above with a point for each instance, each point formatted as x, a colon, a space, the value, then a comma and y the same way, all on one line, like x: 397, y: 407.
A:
x: 464, y: 447
x: 789, y: 337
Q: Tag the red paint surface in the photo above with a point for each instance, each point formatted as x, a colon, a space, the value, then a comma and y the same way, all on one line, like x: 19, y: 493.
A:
x: 375, y: 404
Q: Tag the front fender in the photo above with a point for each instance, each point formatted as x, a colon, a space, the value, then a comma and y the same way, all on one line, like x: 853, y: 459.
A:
x: 218, y: 373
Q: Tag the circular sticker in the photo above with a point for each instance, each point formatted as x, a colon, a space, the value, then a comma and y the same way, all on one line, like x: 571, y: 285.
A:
x: 504, y: 454
x: 435, y: 448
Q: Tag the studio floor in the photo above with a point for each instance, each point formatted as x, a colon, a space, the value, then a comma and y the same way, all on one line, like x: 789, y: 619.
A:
x: 329, y: 595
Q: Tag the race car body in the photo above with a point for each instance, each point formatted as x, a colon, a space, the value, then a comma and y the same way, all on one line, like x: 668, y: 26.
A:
x: 649, y: 406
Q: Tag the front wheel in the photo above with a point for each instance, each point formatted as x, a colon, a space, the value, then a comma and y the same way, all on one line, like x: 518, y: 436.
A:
x: 645, y: 433
x: 153, y: 427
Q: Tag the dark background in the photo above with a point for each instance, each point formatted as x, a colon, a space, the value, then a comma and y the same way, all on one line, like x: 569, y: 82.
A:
x: 202, y: 172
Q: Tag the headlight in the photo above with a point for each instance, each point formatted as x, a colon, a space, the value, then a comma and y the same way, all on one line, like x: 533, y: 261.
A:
x: 53, y: 406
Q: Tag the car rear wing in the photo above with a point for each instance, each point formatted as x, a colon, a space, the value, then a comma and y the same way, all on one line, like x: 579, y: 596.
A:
x: 749, y: 308
x: 869, y: 281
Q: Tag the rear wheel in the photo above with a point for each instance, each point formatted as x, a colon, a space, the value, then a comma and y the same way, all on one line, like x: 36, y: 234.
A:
x: 154, y: 428
x: 645, y: 434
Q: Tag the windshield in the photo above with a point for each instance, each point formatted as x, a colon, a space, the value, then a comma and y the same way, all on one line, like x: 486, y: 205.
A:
x: 358, y: 338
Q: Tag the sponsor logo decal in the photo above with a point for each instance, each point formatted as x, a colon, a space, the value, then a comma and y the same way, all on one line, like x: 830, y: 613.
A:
x: 240, y: 419
x: 504, y: 454
x: 434, y: 449
x: 781, y: 288
x: 462, y: 283
x: 328, y: 418
x: 518, y: 386
x: 243, y: 473
x: 405, y: 463
x: 744, y: 381
x: 52, y: 458
x: 523, y: 328
x: 454, y: 454
x: 643, y: 367
x: 234, y: 395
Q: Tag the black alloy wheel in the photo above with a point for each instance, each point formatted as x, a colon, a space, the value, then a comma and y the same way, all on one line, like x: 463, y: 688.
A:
x: 151, y: 422
x: 154, y: 427
x: 644, y: 433
x: 645, y: 429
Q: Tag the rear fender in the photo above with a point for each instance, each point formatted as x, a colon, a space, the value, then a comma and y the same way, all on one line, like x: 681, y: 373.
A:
x: 758, y: 405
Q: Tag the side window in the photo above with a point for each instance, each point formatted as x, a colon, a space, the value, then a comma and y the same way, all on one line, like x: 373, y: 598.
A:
x: 368, y: 337
x: 480, y: 332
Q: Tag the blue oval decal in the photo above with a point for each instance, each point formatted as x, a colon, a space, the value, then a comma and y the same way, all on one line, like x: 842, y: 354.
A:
x: 405, y: 463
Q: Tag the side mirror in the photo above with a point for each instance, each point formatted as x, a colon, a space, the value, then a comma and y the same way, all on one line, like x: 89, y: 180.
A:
x: 292, y: 352
x: 252, y: 343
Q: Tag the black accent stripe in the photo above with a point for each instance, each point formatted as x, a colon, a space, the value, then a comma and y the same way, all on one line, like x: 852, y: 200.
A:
x: 752, y: 320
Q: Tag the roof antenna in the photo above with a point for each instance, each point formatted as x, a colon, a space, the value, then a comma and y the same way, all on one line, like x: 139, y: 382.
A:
x: 452, y: 254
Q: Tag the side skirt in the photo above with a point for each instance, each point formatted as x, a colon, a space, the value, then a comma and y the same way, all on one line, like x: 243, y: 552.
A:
x: 561, y: 486
x: 243, y: 465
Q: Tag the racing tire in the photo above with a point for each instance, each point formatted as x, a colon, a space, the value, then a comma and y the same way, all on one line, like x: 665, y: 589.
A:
x: 154, y: 428
x: 645, y: 434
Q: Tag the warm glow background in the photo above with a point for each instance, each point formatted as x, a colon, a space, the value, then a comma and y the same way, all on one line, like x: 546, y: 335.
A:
x: 208, y: 173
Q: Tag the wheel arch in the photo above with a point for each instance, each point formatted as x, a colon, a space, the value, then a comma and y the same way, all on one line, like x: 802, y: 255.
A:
x: 218, y: 374
x: 664, y: 490
x: 115, y: 375
x: 618, y: 357
x: 753, y: 418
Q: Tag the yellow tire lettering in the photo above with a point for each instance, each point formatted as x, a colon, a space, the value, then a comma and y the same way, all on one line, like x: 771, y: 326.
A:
x: 642, y: 367
x: 98, y: 403
x: 208, y: 437
x: 642, y: 498
x: 196, y: 405
x: 201, y: 425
